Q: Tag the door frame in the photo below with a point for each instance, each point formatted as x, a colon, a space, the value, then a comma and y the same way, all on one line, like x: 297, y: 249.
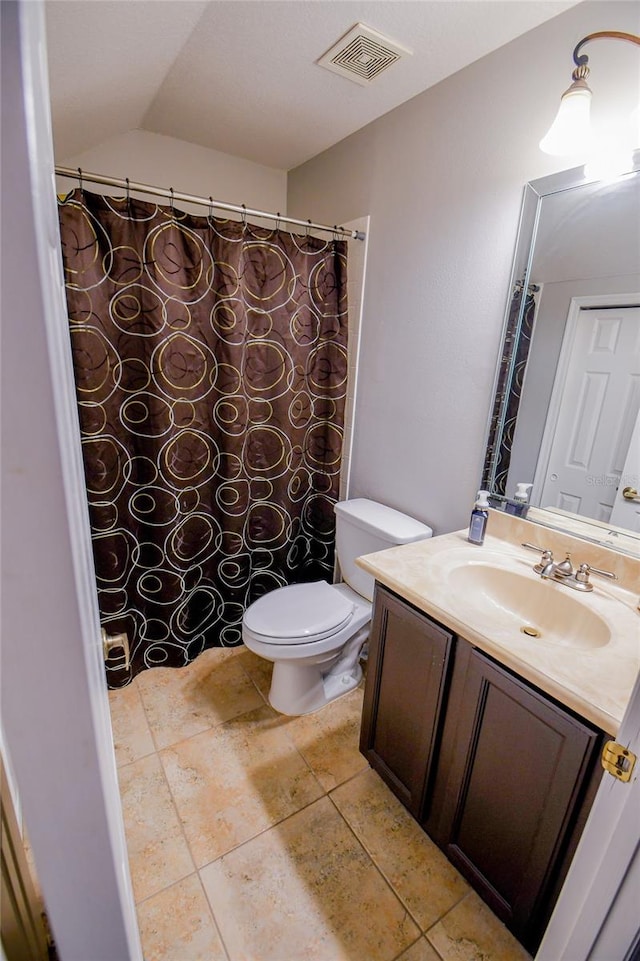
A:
x: 630, y: 299
x: 55, y: 709
x: 595, y: 917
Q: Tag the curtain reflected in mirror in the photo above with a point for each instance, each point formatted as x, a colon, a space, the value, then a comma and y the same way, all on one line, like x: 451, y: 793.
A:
x: 513, y: 364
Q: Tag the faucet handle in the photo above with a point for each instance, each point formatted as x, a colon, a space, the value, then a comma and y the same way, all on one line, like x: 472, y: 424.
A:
x: 588, y: 569
x: 545, y: 560
x: 582, y: 576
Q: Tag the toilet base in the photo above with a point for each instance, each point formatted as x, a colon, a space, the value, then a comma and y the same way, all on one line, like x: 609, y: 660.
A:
x: 298, y: 688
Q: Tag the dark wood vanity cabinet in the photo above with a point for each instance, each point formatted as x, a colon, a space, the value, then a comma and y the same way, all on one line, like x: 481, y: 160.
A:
x: 406, y: 681
x: 499, y: 775
x: 515, y: 775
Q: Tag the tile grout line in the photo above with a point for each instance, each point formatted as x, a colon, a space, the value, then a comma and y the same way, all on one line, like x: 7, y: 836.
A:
x: 254, y: 837
x: 196, y: 870
x: 378, y: 868
x: 441, y: 919
x: 364, y: 845
x: 182, y: 832
x: 422, y: 937
x: 213, y: 916
x: 180, y: 824
x: 146, y: 720
x: 211, y: 726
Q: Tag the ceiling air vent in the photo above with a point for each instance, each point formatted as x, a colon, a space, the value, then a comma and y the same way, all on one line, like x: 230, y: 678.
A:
x: 362, y: 54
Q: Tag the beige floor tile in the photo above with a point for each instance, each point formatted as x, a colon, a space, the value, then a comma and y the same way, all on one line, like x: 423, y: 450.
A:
x: 306, y: 891
x: 131, y: 735
x: 471, y: 932
x: 177, y: 925
x: 328, y: 739
x: 181, y: 702
x: 258, y: 670
x: 236, y: 780
x: 418, y: 872
x: 420, y: 951
x: 158, y: 852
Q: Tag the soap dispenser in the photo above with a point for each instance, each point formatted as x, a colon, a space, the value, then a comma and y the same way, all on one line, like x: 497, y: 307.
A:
x: 479, y: 517
x: 518, y: 505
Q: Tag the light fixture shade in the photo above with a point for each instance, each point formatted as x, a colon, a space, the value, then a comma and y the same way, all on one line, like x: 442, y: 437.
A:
x: 609, y: 165
x: 570, y: 133
x: 612, y: 154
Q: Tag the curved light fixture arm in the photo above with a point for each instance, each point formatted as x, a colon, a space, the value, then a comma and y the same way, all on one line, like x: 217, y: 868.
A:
x: 582, y: 60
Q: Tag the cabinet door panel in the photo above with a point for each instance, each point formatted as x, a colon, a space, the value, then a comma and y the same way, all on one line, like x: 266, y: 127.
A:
x: 406, y: 674
x: 519, y: 770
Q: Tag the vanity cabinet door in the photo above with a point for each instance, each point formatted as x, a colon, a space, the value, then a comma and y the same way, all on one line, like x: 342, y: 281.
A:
x: 406, y: 678
x: 519, y: 767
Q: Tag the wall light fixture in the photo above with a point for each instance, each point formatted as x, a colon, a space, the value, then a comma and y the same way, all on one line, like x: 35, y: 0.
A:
x: 570, y: 133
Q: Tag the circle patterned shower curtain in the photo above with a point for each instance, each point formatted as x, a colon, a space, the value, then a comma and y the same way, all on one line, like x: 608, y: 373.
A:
x: 210, y: 360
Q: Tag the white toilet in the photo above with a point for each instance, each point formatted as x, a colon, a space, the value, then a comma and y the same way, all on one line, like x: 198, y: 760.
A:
x: 314, y: 633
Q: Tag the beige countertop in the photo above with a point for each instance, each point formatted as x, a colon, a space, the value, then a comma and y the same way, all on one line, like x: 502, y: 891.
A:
x: 595, y: 682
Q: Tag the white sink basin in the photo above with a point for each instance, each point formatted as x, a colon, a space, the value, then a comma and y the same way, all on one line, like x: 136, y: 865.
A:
x: 541, y: 610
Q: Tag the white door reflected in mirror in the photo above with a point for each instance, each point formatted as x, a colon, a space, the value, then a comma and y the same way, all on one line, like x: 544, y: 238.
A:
x: 626, y: 506
x: 592, y: 443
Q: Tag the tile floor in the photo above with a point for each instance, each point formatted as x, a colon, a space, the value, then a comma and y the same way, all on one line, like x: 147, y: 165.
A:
x: 257, y: 837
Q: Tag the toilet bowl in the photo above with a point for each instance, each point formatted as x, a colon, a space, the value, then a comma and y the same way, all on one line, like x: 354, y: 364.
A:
x: 314, y: 633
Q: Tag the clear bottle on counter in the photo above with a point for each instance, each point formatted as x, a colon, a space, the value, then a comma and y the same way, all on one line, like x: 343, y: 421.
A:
x: 479, y: 518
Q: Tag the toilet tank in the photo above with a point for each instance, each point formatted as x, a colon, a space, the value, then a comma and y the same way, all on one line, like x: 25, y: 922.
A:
x: 363, y: 527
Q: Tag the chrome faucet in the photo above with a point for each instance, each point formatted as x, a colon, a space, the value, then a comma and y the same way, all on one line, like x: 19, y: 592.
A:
x: 549, y: 568
x: 563, y: 572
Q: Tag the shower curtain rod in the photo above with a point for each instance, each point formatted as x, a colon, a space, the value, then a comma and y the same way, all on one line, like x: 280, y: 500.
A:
x: 173, y: 195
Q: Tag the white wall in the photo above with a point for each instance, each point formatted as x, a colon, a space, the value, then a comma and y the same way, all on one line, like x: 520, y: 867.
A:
x: 442, y: 178
x: 151, y: 158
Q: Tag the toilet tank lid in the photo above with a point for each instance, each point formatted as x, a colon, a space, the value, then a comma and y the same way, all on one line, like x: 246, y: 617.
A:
x: 387, y: 523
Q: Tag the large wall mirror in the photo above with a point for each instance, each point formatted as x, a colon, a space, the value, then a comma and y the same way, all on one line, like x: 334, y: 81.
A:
x: 566, y: 410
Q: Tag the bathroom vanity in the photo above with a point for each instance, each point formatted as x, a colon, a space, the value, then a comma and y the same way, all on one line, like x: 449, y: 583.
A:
x: 490, y: 737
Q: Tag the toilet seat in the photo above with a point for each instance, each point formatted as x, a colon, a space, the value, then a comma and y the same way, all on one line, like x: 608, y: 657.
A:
x: 299, y: 614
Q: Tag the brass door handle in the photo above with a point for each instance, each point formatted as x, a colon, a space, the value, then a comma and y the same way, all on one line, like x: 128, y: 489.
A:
x: 630, y: 494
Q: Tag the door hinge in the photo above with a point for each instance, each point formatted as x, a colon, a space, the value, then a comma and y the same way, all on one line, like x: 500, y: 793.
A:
x: 618, y: 760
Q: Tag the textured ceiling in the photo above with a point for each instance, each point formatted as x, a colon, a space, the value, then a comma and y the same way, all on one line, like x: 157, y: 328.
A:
x: 240, y: 75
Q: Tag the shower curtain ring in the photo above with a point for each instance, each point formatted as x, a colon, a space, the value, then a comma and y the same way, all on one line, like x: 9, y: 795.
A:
x: 128, y: 194
x: 80, y: 179
x: 277, y: 221
x: 173, y: 213
x: 307, y: 231
x: 244, y: 215
x: 210, y: 214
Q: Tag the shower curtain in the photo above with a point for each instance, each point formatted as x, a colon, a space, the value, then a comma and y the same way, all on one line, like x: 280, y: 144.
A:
x: 210, y: 359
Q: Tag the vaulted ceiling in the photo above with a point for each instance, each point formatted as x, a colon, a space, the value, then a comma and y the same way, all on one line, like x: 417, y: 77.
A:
x: 240, y: 76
